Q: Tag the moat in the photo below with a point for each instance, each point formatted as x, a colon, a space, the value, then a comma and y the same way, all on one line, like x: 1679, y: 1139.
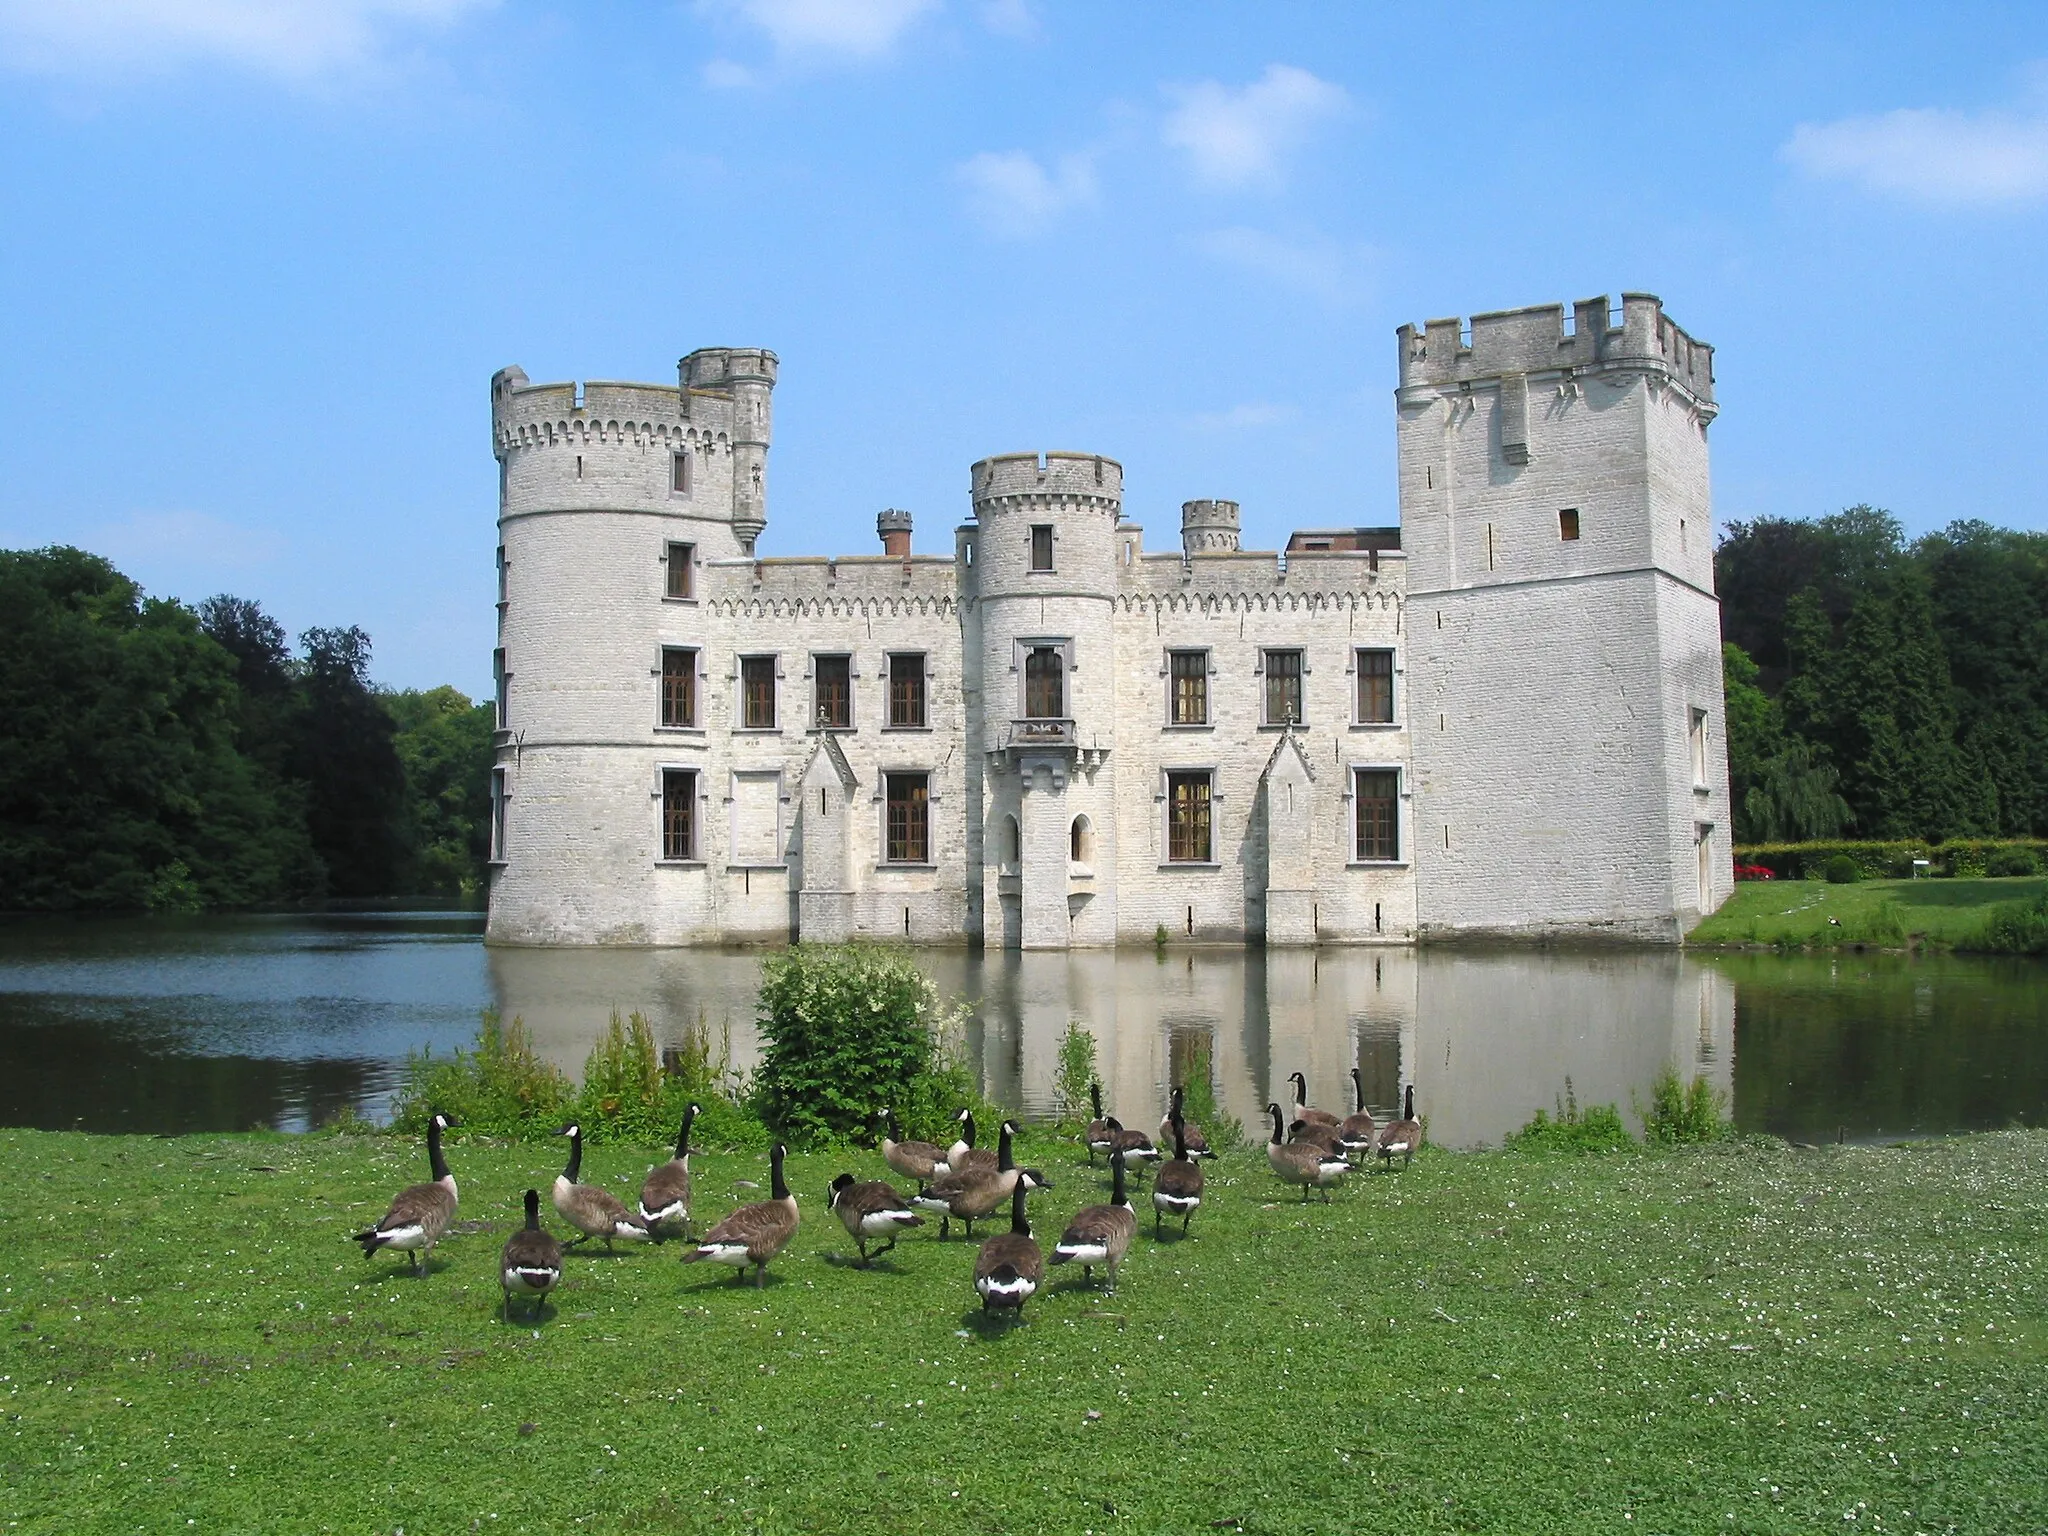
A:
x: 219, y: 1023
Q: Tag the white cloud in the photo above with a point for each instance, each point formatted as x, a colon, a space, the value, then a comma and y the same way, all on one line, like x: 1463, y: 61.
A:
x: 292, y: 38
x: 1011, y: 195
x: 848, y: 29
x: 1242, y: 417
x: 1239, y: 138
x: 1314, y: 264
x: 1928, y: 155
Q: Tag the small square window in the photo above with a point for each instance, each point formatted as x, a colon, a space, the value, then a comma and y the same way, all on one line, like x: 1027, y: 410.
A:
x: 678, y: 686
x: 682, y: 561
x: 1377, y: 807
x: 1375, y: 687
x: 679, y: 474
x: 678, y: 813
x: 832, y: 688
x: 1189, y: 817
x: 906, y: 689
x: 1188, y: 677
x: 1283, y: 687
x: 1041, y: 547
x: 757, y: 693
x: 909, y: 816
x: 1568, y: 524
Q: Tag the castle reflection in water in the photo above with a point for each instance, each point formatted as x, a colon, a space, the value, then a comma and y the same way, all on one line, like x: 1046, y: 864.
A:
x: 1486, y: 1037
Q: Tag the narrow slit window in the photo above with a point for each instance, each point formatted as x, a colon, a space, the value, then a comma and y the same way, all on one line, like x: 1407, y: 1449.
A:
x: 499, y: 797
x: 678, y: 813
x: 501, y: 687
x: 1376, y: 687
x: 909, y: 814
x: 682, y: 560
x: 1568, y: 524
x: 832, y: 684
x: 757, y: 693
x: 1189, y: 803
x: 678, y: 686
x: 1377, y: 805
x: 679, y: 473
x: 1698, y: 742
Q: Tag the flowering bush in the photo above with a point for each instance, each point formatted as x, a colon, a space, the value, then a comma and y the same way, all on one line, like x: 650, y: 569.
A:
x: 1753, y: 872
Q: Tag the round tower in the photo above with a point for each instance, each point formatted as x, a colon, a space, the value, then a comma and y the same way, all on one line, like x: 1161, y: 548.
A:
x: 1044, y: 580
x: 1208, y: 526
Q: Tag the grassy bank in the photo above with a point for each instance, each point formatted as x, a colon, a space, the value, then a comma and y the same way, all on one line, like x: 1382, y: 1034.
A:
x: 1888, y: 914
x: 1743, y: 1337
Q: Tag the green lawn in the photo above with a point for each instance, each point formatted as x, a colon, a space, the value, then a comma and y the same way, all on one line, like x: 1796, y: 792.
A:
x: 1748, y: 1337
x: 1796, y: 912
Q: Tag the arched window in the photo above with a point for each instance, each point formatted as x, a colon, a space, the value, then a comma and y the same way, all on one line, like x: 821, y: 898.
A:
x: 1045, y: 694
x: 1081, y: 841
x: 1013, y: 842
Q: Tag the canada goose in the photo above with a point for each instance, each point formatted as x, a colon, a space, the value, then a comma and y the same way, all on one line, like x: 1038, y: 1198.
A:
x: 974, y: 1194
x: 1135, y: 1146
x: 592, y: 1209
x: 665, y: 1193
x: 870, y: 1210
x: 753, y: 1234
x: 532, y: 1262
x: 1100, y: 1234
x: 1097, y: 1135
x: 961, y: 1152
x: 1009, y: 1267
x: 1301, y: 1109
x: 919, y: 1160
x: 1197, y: 1143
x: 421, y: 1212
x: 1325, y: 1138
x: 1177, y: 1191
x: 1403, y: 1136
x: 1357, y: 1135
x: 1303, y: 1164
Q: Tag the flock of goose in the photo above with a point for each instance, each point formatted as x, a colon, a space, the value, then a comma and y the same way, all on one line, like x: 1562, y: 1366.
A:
x: 962, y: 1182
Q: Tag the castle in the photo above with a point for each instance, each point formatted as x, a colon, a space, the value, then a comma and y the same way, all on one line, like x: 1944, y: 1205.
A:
x: 1501, y: 720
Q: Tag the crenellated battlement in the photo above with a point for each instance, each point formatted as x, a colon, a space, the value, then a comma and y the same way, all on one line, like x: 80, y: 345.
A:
x: 717, y: 369
x: 1085, y: 477
x: 1543, y: 338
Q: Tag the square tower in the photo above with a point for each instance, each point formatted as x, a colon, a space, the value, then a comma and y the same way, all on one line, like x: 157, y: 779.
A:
x: 1566, y: 713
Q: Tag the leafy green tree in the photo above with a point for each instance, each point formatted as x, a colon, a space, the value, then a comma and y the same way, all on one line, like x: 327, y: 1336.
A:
x: 1780, y: 790
x: 444, y: 746
x: 345, y: 755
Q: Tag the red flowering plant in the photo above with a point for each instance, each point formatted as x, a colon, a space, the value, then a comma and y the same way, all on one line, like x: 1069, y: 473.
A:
x: 1753, y: 872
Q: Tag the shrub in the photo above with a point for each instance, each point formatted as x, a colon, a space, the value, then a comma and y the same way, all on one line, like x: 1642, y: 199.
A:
x: 1753, y: 872
x: 1886, y: 860
x: 500, y: 1087
x: 849, y: 1030
x: 1842, y: 870
x: 1198, y: 1102
x: 2012, y: 928
x: 1076, y: 1070
x: 1679, y: 1113
x: 2004, y: 863
x: 1596, y: 1128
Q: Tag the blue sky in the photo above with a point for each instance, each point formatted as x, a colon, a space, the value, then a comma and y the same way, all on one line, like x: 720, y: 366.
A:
x: 262, y: 258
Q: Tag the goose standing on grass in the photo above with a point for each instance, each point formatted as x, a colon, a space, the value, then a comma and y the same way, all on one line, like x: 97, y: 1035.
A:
x: 665, y: 1193
x: 1326, y: 1138
x: 964, y: 1156
x: 1136, y: 1146
x: 969, y: 1196
x: 421, y: 1212
x: 919, y: 1160
x: 1298, y: 1162
x: 1358, y: 1135
x: 1009, y: 1267
x: 1096, y: 1137
x: 532, y: 1262
x: 1404, y: 1136
x: 1100, y: 1234
x: 1301, y: 1109
x: 1197, y: 1143
x: 592, y: 1209
x: 1177, y: 1191
x: 753, y: 1234
x: 871, y: 1210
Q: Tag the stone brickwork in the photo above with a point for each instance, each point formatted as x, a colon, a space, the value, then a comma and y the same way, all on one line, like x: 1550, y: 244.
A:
x: 1512, y: 725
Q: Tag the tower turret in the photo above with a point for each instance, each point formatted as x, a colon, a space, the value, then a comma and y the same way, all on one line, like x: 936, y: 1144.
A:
x: 743, y: 380
x: 1208, y: 526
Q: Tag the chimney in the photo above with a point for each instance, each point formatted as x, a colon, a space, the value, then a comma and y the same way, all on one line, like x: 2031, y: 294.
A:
x: 894, y: 527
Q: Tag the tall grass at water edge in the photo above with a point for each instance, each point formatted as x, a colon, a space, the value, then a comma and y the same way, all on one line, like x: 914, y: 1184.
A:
x: 2013, y: 928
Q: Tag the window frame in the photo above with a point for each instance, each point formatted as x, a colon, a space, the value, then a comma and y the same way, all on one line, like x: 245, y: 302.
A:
x: 1569, y: 526
x: 501, y: 689
x: 1696, y: 748
x: 846, y: 723
x: 923, y: 679
x: 1051, y: 549
x: 1210, y: 797
x: 1059, y: 681
x: 1358, y: 679
x: 682, y: 474
x: 1204, y: 669
x: 687, y: 564
x: 1397, y: 829
x: 773, y: 661
x: 917, y: 814
x: 501, y: 797
x: 690, y: 850
x: 1266, y: 677
x: 692, y: 672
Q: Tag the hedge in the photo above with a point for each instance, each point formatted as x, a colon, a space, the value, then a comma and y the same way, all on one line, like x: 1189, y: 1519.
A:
x: 1959, y: 857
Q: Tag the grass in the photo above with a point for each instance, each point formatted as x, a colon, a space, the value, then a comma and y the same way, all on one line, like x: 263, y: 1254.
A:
x: 1742, y: 1337
x: 1882, y: 914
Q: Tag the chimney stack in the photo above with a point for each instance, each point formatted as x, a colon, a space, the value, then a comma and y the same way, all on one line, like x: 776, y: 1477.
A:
x: 894, y: 527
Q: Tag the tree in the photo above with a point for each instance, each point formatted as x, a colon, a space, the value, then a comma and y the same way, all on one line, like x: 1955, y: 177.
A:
x: 344, y: 753
x: 444, y: 745
x: 1781, y: 791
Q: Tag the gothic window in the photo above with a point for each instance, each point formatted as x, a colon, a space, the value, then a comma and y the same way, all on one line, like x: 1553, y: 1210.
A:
x: 1188, y: 673
x: 681, y: 558
x: 1376, y: 807
x: 906, y: 690
x: 832, y: 682
x: 757, y: 693
x: 1375, y: 687
x: 1189, y: 798
x: 678, y: 813
x: 1045, y: 696
x: 909, y: 811
x: 678, y: 686
x: 1283, y: 687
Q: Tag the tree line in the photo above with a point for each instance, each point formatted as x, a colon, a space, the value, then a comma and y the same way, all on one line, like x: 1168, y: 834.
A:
x: 1884, y: 688
x: 160, y: 756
